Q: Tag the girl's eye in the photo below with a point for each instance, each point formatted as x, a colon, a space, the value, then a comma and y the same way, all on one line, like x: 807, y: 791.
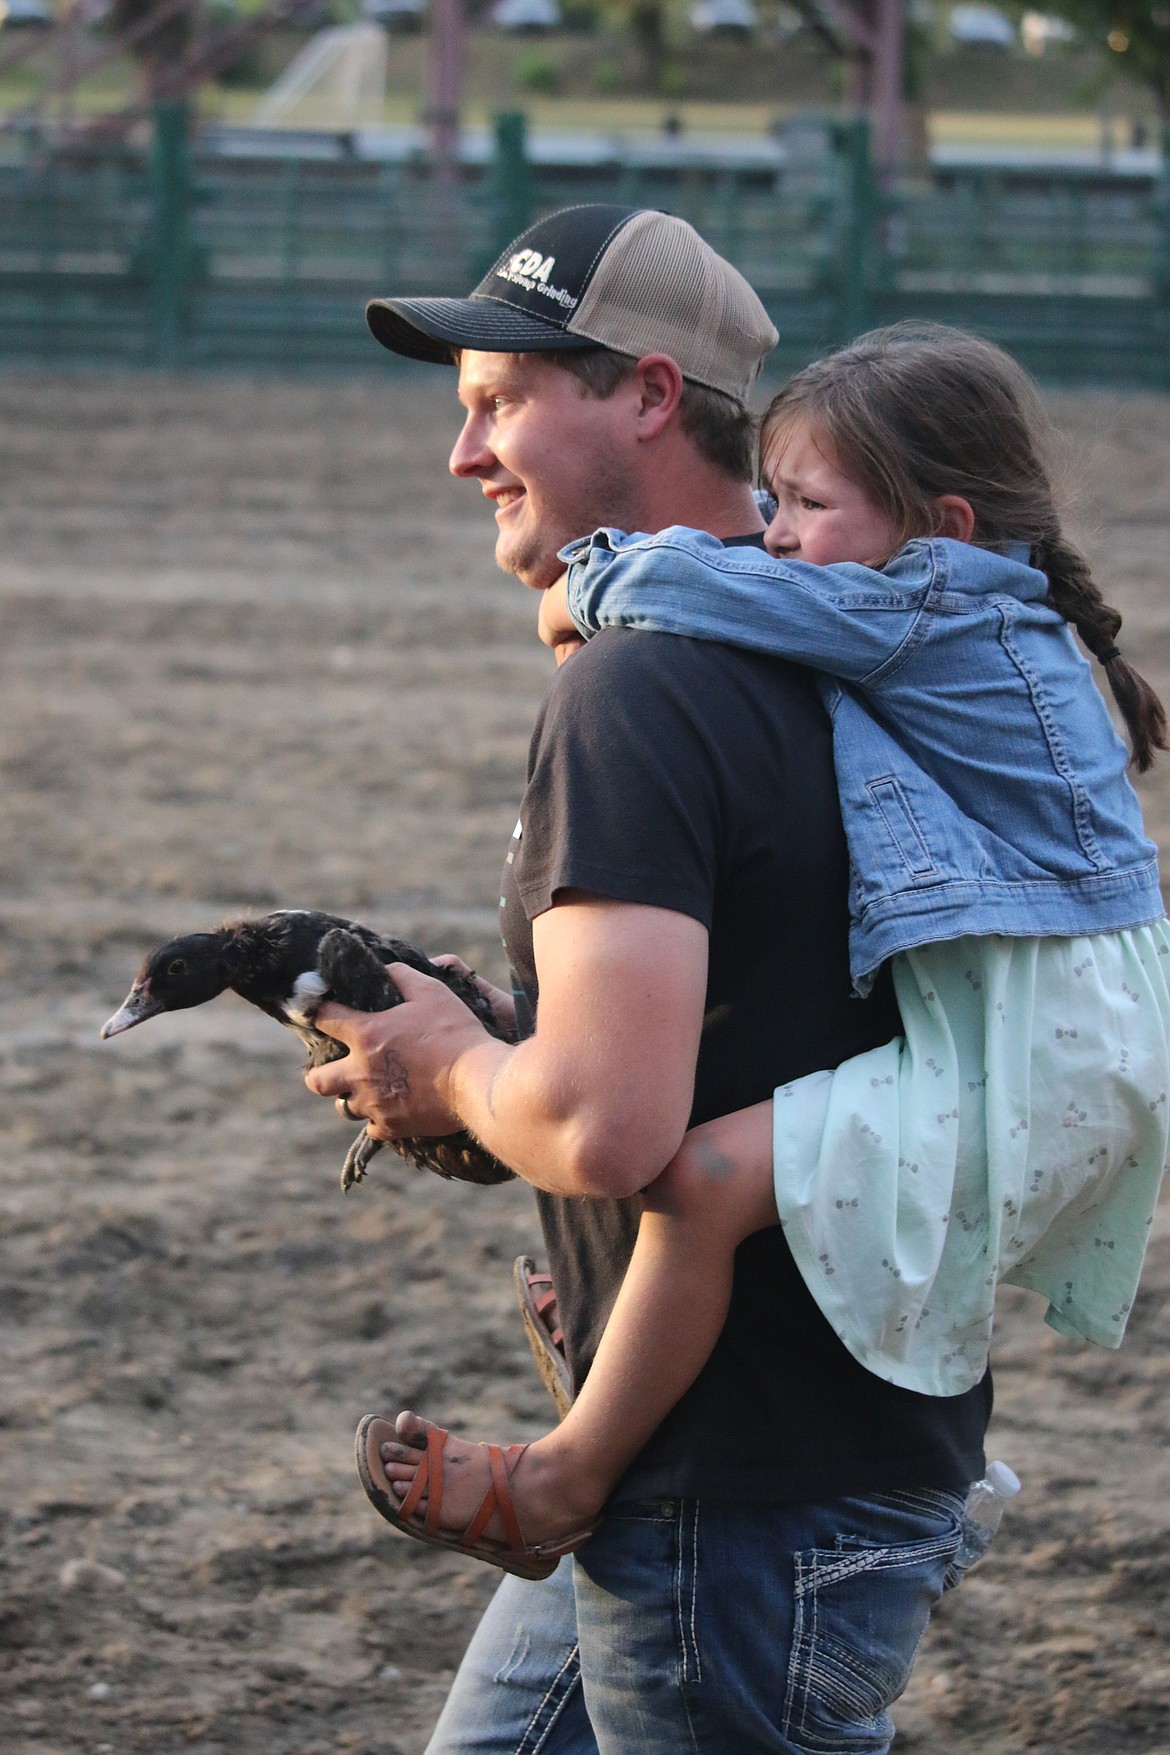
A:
x: 811, y: 505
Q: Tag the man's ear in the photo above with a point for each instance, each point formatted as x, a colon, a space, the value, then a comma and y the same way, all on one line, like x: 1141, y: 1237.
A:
x: 658, y: 385
x: 954, y: 517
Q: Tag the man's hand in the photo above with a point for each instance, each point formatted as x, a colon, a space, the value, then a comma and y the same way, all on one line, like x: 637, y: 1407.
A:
x: 596, y: 1102
x: 398, y: 1069
x: 555, y: 625
x: 503, y: 1004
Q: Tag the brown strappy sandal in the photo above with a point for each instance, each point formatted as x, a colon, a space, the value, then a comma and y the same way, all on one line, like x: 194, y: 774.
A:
x: 526, y: 1560
x: 537, y: 1298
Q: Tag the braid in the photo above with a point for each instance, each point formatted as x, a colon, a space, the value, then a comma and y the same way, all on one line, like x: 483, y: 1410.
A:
x: 1073, y: 593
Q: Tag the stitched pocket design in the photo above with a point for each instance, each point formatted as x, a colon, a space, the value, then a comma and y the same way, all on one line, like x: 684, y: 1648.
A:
x: 860, y: 1612
x: 687, y: 1592
x: 903, y: 828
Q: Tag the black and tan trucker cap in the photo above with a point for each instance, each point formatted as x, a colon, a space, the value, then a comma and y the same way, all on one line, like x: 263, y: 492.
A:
x: 626, y: 278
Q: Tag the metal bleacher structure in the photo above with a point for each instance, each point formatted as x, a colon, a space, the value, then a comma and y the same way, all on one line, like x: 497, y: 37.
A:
x: 161, y: 245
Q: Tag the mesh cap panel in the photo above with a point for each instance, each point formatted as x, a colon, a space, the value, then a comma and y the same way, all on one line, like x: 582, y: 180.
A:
x: 660, y: 289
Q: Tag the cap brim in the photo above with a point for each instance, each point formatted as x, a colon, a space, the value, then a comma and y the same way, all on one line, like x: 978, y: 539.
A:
x: 429, y: 329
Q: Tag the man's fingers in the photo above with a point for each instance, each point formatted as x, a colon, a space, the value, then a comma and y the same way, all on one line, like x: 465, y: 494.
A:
x: 330, y: 1080
x: 338, y: 1021
x: 338, y: 1078
x: 408, y: 981
x: 346, y: 1025
x: 448, y: 960
x: 397, y: 1057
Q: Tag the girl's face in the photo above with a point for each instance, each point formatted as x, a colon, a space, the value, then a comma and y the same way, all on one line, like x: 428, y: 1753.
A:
x: 821, y: 516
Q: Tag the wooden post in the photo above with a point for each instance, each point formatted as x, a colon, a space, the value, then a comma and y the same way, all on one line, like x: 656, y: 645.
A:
x: 889, y: 79
x: 446, y: 87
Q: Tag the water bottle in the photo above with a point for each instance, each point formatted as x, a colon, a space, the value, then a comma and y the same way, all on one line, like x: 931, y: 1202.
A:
x: 980, y: 1517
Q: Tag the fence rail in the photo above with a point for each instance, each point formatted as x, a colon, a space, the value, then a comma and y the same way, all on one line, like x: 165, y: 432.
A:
x: 180, y: 256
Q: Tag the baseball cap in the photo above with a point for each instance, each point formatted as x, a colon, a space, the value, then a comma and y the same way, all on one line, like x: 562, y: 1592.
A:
x: 627, y: 278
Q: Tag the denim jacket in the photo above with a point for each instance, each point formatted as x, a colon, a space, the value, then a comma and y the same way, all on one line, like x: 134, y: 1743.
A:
x: 983, y: 787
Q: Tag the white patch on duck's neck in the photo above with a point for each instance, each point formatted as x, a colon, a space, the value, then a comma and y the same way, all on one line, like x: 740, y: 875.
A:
x: 306, y: 995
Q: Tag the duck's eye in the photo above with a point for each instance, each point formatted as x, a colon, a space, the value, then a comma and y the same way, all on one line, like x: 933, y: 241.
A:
x: 177, y: 966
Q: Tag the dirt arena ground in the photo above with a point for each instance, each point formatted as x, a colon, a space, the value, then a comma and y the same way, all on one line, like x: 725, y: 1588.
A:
x: 256, y: 653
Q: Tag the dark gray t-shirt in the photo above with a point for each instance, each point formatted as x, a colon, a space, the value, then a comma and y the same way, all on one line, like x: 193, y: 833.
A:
x: 687, y: 775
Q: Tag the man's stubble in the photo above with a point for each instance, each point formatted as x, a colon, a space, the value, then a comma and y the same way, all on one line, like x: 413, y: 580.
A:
x: 608, y: 497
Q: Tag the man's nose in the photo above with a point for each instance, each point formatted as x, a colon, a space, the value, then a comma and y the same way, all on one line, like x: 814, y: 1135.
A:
x: 471, y: 455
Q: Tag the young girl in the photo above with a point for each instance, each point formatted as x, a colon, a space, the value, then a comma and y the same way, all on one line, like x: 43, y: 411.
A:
x: 1018, y: 1130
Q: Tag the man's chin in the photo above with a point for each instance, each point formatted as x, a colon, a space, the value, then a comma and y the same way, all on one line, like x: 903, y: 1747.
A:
x: 534, y: 568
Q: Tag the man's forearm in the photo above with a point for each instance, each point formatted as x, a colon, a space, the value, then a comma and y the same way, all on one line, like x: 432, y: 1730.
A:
x: 537, y: 1118
x: 595, y: 1103
x: 598, y: 1100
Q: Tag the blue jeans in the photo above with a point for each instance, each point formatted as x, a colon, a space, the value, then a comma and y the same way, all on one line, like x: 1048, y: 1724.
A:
x: 697, y: 1626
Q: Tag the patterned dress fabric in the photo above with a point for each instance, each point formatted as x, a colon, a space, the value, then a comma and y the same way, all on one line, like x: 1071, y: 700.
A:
x: 1017, y: 1131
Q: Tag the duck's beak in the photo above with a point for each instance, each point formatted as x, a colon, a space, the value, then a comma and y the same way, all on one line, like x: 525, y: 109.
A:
x: 140, y: 1004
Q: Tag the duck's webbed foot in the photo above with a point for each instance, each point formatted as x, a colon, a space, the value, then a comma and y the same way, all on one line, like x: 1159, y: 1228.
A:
x: 357, y: 1159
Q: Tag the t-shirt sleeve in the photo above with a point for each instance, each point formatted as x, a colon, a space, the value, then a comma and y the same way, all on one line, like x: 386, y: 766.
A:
x: 623, y: 794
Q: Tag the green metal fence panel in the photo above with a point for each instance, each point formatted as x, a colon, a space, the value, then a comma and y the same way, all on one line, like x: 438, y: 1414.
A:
x: 985, y: 236
x: 181, y: 256
x: 72, y: 260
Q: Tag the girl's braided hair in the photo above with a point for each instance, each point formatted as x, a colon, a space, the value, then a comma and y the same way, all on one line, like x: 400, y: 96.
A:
x: 919, y: 410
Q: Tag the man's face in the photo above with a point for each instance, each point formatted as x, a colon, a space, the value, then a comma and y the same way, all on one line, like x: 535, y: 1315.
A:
x: 552, y: 459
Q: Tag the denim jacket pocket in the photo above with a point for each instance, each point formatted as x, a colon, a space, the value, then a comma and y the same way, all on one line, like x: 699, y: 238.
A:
x: 902, y: 827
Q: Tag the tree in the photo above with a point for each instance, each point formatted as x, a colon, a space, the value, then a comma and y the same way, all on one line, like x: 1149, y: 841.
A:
x: 158, y: 47
x: 870, y: 37
x: 646, y: 22
x: 1134, y: 35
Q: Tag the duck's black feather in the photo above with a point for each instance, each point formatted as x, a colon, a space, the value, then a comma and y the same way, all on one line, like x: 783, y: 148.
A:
x: 290, y: 963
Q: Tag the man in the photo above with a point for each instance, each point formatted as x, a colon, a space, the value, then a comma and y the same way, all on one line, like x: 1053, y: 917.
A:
x: 676, y: 896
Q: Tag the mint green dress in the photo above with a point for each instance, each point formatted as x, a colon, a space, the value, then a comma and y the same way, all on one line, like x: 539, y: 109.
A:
x: 1017, y: 1131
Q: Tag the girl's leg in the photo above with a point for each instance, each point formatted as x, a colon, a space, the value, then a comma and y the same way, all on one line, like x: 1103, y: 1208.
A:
x: 665, y: 1322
